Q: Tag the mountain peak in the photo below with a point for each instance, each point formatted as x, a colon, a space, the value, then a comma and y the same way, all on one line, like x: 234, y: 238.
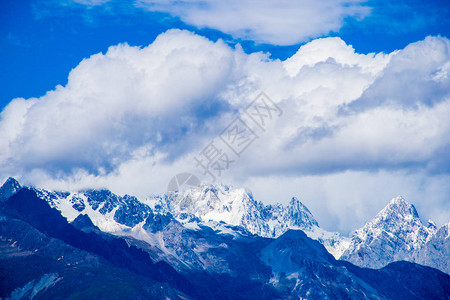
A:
x: 395, y: 232
x: 11, y: 182
x: 236, y: 207
x: 398, y: 208
x: 399, y: 200
x: 299, y: 215
x: 9, y: 188
x: 294, y: 201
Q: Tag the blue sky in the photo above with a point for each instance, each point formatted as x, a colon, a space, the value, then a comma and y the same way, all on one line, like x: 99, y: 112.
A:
x: 55, y: 36
x: 124, y: 95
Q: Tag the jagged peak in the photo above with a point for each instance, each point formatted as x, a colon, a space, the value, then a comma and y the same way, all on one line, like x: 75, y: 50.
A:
x: 397, y: 216
x: 237, y: 206
x: 11, y: 182
x: 399, y: 206
x: 399, y: 200
x: 9, y: 188
x: 300, y: 213
x: 295, y: 202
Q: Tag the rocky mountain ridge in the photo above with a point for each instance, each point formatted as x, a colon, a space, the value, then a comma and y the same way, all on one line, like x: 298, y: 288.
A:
x: 151, y: 255
x: 396, y: 233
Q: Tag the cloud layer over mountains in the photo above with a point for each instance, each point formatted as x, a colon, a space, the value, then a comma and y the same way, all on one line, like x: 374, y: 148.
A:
x: 133, y: 117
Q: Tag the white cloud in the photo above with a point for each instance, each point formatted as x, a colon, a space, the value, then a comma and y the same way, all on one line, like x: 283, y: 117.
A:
x: 284, y: 22
x: 91, y: 2
x: 320, y: 50
x: 130, y: 119
x: 117, y: 102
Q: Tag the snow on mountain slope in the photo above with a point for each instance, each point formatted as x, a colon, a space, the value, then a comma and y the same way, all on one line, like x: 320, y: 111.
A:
x: 160, y: 234
x: 220, y: 207
x: 109, y: 212
x: 216, y: 266
x: 396, y: 233
x: 334, y: 242
x: 237, y: 207
x: 436, y: 252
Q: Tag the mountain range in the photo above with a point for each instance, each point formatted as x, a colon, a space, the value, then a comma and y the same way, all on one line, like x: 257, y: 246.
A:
x: 210, y: 242
x: 396, y: 233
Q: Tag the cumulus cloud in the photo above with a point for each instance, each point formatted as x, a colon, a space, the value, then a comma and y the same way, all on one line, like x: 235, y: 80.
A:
x: 118, y: 102
x: 284, y: 22
x: 131, y: 118
x: 417, y: 75
x: 333, y: 48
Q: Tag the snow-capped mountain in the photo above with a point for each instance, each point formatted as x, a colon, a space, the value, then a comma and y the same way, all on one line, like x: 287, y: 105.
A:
x: 237, y: 207
x: 154, y: 256
x: 396, y: 233
x: 220, y: 207
x: 158, y: 232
